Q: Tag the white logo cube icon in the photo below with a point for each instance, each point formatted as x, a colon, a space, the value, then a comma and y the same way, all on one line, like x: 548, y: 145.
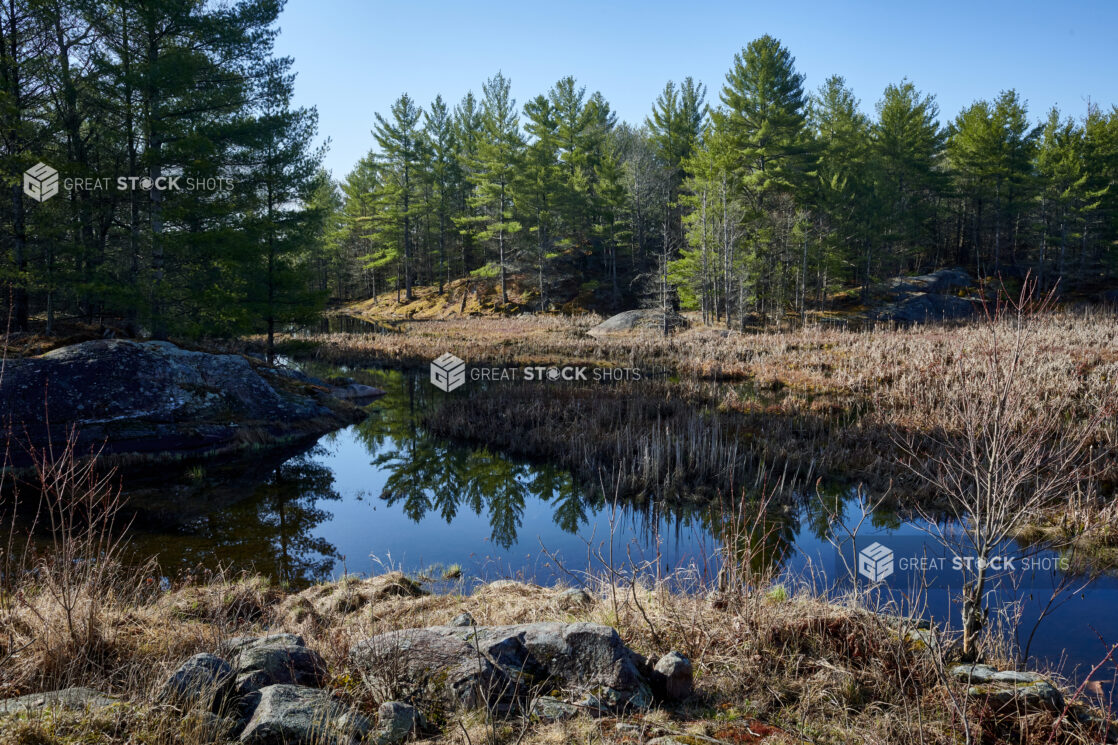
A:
x: 875, y: 562
x: 40, y: 182
x: 448, y: 372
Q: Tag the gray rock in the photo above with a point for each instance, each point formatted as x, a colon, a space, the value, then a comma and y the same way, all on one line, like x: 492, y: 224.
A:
x: 395, y: 722
x: 923, y: 639
x: 260, y: 665
x: 644, y: 319
x: 463, y: 619
x: 938, y: 282
x: 498, y: 665
x: 154, y: 399
x: 551, y: 709
x: 929, y: 297
x: 678, y: 675
x: 294, y: 715
x: 973, y: 673
x: 924, y: 307
x: 203, y: 680
x: 1016, y: 677
x: 77, y: 698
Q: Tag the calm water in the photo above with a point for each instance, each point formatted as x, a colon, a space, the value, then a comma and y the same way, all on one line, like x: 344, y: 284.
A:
x: 385, y: 494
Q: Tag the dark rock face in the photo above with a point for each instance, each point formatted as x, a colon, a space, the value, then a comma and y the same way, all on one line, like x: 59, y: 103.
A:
x: 294, y: 715
x: 150, y: 398
x: 498, y: 666
x: 925, y: 298
x: 647, y: 320
x: 78, y: 699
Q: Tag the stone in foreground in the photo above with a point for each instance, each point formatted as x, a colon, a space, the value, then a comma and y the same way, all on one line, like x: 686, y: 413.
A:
x: 295, y: 715
x: 276, y: 662
x: 500, y: 666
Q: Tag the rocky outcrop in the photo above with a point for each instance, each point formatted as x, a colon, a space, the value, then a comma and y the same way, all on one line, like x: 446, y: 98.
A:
x: 154, y: 400
x: 268, y: 691
x: 502, y: 666
x: 640, y: 320
x: 939, y: 296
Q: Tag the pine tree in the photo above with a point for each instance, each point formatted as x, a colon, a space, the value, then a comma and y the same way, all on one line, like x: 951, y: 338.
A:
x: 494, y: 171
x: 908, y: 143
x: 539, y: 186
x: 400, y: 160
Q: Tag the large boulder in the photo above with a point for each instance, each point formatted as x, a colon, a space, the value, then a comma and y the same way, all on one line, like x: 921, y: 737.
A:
x: 499, y: 666
x: 149, y: 400
x: 640, y: 320
x: 928, y: 297
x: 295, y: 715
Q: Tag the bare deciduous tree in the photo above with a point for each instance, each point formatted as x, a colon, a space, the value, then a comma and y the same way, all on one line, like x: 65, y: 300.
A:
x: 1001, y: 456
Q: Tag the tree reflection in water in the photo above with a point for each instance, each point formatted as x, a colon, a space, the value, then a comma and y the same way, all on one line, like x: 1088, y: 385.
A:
x: 272, y: 531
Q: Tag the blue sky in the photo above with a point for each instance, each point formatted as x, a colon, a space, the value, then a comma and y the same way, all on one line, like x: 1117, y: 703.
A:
x: 355, y: 57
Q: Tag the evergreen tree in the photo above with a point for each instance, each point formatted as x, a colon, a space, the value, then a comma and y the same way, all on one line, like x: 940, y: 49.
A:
x: 400, y: 160
x: 498, y: 158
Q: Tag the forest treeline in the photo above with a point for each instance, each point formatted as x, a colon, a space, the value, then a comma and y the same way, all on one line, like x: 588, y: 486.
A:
x: 762, y: 200
x: 765, y: 201
x: 185, y: 174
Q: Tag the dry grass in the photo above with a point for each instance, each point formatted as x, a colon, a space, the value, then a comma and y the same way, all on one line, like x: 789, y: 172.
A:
x: 796, y: 668
x: 822, y: 399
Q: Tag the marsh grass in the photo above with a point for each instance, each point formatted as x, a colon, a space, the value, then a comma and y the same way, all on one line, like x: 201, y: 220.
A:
x: 822, y: 399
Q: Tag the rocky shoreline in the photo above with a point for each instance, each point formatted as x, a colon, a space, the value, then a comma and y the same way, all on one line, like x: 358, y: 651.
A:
x: 154, y: 402
x: 380, y: 661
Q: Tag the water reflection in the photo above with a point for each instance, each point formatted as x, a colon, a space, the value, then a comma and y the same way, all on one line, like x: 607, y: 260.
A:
x: 385, y: 492
x: 274, y: 530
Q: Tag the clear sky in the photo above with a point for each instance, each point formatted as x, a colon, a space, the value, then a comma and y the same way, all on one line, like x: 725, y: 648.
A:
x: 355, y: 57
